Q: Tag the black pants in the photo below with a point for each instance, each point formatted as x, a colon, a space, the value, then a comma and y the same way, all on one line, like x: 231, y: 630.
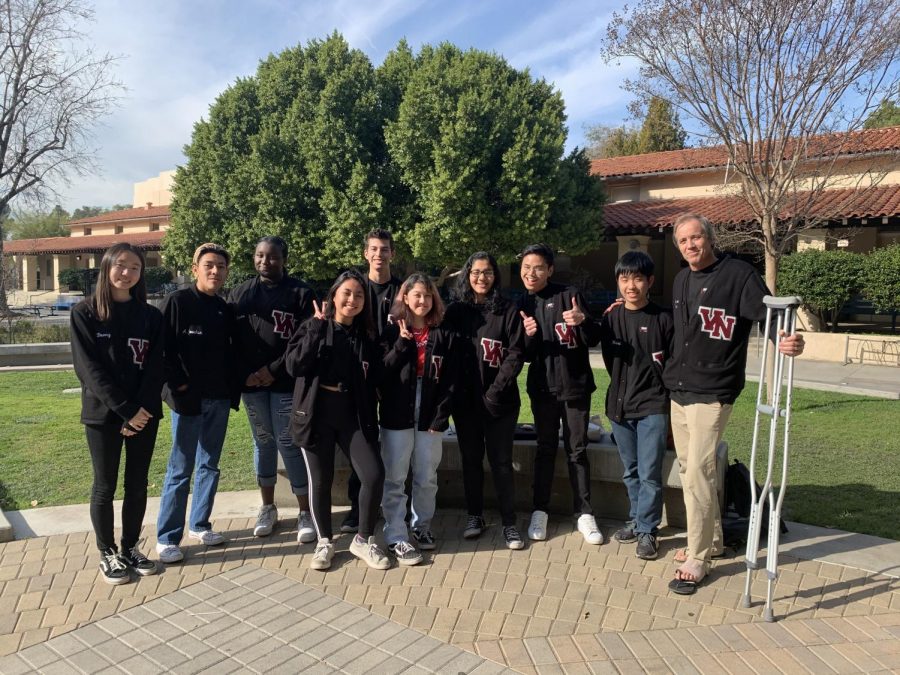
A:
x: 353, y: 487
x: 547, y: 412
x: 477, y: 433
x: 105, y: 444
x: 336, y: 424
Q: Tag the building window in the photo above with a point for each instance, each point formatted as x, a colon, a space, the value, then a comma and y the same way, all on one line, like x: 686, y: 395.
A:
x: 119, y: 229
x: 87, y: 231
x: 154, y: 227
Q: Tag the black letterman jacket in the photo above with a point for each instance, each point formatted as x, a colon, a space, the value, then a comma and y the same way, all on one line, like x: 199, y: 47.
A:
x: 119, y: 373
x: 491, y: 343
x: 559, y: 356
x: 618, y: 353
x: 398, y: 387
x: 185, y: 357
x: 308, y: 353
x: 709, y: 353
x: 265, y: 320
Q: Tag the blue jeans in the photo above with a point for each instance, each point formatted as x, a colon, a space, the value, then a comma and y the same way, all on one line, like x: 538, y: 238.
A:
x: 196, y: 447
x: 399, y: 449
x: 642, y: 444
x: 269, y: 413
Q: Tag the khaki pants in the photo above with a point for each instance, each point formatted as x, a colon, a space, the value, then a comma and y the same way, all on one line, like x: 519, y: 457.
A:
x: 697, y: 429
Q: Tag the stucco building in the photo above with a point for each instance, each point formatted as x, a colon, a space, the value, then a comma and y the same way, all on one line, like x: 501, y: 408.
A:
x: 38, y: 262
x: 646, y: 193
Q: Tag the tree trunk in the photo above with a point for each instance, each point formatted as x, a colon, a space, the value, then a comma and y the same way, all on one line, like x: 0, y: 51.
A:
x: 4, y: 306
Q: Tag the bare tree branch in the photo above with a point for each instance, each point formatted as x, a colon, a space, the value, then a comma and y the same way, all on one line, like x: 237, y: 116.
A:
x: 53, y: 90
x: 780, y: 84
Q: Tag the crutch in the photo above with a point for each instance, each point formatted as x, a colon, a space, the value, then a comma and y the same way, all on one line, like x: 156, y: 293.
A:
x: 783, y: 311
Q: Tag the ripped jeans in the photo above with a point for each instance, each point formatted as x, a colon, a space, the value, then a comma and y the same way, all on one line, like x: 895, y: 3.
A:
x: 269, y: 413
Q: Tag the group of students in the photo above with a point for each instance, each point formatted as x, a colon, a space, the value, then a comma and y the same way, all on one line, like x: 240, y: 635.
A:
x: 377, y: 368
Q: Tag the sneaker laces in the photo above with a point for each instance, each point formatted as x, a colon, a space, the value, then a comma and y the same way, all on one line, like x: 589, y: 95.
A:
x: 473, y: 522
x: 135, y: 554
x: 511, y: 532
x: 376, y: 553
x: 403, y: 547
x: 321, y: 548
x: 114, y: 562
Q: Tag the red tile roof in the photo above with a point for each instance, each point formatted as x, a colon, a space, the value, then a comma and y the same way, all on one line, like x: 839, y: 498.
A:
x: 149, y: 241
x: 869, y: 141
x: 883, y: 200
x: 138, y: 213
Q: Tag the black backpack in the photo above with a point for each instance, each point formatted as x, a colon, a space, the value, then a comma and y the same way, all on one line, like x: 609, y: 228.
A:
x: 736, y: 519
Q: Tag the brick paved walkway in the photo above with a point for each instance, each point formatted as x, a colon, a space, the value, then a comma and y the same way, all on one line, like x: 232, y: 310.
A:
x: 558, y: 606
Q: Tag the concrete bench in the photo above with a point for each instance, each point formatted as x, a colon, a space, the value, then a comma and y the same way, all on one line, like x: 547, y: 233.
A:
x: 36, y: 354
x: 610, y: 500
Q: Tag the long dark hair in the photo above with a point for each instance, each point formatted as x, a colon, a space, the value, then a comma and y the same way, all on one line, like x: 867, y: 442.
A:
x: 464, y: 292
x: 103, y: 300
x: 362, y: 322
x: 400, y: 310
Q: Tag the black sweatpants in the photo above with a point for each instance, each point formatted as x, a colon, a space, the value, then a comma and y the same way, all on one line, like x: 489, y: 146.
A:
x: 336, y: 423
x: 105, y: 445
x: 547, y: 412
x: 477, y: 433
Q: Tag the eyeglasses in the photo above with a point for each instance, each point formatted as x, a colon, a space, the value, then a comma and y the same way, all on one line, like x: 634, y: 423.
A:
x: 487, y: 274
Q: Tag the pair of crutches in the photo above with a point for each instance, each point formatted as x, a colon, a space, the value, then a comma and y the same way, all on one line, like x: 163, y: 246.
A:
x: 783, y: 311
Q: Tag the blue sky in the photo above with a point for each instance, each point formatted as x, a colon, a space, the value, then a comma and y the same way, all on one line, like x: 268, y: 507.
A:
x: 180, y: 54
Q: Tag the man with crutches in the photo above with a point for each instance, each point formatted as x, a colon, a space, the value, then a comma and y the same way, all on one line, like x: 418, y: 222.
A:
x: 781, y: 316
x: 715, y: 302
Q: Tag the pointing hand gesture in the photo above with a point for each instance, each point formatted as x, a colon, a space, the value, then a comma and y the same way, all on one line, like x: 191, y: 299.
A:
x: 529, y: 324
x: 574, y: 316
x: 319, y: 311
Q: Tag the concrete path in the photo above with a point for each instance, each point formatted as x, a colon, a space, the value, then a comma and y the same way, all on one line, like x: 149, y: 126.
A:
x: 558, y: 606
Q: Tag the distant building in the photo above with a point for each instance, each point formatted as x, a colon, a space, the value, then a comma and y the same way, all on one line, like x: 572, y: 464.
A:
x: 38, y: 262
x: 648, y: 192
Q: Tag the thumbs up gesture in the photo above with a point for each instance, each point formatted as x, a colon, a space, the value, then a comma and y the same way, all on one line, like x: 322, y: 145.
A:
x: 529, y: 324
x: 574, y: 316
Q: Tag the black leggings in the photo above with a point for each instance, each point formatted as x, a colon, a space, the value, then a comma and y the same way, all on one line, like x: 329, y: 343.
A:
x: 336, y: 424
x: 105, y: 445
x: 477, y: 433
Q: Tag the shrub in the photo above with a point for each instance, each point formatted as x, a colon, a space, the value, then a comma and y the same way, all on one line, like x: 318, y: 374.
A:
x: 881, y: 278
x: 824, y: 279
x: 156, y: 277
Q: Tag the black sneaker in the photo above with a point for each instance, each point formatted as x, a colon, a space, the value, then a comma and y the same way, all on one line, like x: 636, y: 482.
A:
x: 626, y: 535
x: 474, y: 527
x: 647, y: 546
x: 405, y: 554
x: 137, y: 561
x: 113, y: 568
x: 513, y: 538
x: 351, y: 523
x: 425, y: 540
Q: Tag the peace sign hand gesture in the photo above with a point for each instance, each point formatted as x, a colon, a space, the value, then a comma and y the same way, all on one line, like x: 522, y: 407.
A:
x: 319, y: 311
x: 405, y: 333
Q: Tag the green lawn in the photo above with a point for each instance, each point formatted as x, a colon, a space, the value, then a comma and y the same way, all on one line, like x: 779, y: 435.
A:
x: 844, y: 468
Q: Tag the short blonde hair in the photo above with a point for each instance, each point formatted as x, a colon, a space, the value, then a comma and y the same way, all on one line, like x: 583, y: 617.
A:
x: 210, y: 247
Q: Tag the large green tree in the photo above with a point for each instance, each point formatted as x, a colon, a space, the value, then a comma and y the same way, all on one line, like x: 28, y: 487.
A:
x: 451, y: 150
x: 887, y: 114
x: 297, y: 150
x: 660, y: 130
x: 37, y: 224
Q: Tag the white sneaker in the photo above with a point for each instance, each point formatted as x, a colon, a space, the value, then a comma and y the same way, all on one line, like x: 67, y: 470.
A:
x: 306, y: 533
x: 587, y: 525
x: 369, y: 553
x: 538, y: 528
x: 169, y: 553
x: 265, y: 520
x: 322, y: 556
x: 207, y: 537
